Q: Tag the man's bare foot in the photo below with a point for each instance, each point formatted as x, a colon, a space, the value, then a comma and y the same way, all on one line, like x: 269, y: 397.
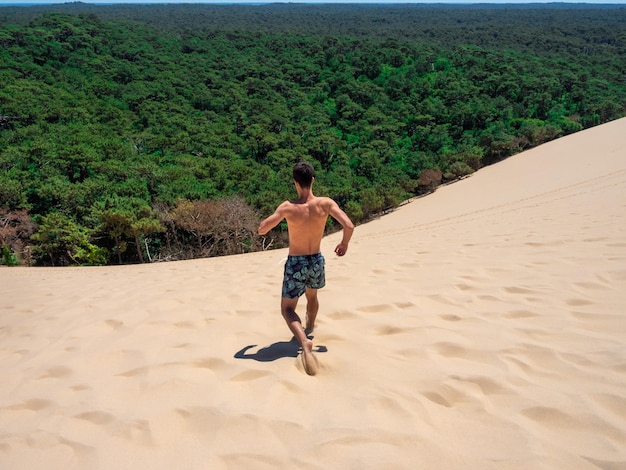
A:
x: 308, y: 329
x: 308, y: 358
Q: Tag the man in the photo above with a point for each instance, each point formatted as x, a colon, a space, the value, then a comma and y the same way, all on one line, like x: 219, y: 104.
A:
x: 304, y: 270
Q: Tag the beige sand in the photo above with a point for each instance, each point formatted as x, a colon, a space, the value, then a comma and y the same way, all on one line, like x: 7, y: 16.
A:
x: 481, y: 327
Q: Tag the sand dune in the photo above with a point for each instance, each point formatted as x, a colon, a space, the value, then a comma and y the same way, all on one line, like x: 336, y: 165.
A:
x: 481, y: 327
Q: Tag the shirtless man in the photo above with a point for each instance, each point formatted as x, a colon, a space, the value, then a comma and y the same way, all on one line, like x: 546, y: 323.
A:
x: 304, y: 271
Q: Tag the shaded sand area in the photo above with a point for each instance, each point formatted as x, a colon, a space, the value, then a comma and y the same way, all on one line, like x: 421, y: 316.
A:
x: 481, y: 327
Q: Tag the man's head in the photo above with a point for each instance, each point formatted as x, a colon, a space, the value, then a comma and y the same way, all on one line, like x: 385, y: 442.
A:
x: 303, y: 174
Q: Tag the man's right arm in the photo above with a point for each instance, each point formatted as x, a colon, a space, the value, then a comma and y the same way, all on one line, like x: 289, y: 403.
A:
x: 272, y: 221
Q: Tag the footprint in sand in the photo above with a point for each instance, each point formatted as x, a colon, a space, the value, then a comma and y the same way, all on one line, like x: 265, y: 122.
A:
x: 404, y: 305
x: 518, y: 290
x: 387, y: 406
x: 514, y: 314
x: 138, y: 432
x: 247, y: 313
x: 211, y: 363
x: 450, y: 350
x: 56, y: 373
x: 578, y: 302
x: 96, y: 417
x: 385, y: 330
x: 437, y: 398
x: 34, y: 404
x: 487, y: 385
x: 114, y: 324
x: 592, y: 285
x: 80, y: 387
x: 450, y: 317
x: 250, y: 375
x: 441, y: 299
x: 139, y: 371
x: 376, y: 308
x: 613, y: 403
x: 551, y: 417
x: 341, y: 315
x: 446, y: 396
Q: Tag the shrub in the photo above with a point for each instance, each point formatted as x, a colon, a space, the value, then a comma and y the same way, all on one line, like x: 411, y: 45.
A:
x: 428, y: 181
x: 8, y: 257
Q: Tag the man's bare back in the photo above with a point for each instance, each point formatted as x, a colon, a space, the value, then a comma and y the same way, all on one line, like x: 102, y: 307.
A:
x: 306, y: 219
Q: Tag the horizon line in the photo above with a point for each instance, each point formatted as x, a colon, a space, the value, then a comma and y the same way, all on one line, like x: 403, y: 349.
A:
x: 318, y: 2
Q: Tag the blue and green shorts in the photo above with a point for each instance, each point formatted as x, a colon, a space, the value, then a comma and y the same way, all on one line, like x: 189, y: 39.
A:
x: 302, y: 272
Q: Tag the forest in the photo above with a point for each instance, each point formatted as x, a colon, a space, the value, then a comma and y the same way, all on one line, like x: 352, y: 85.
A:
x: 144, y: 133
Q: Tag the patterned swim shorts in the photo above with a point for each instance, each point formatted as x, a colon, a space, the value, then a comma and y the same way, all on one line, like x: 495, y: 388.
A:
x: 302, y: 272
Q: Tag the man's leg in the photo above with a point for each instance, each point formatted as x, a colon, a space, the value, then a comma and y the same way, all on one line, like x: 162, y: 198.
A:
x: 288, y: 309
x: 312, y: 306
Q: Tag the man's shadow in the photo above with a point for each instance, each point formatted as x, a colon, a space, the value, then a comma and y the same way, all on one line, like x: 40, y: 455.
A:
x: 275, y: 351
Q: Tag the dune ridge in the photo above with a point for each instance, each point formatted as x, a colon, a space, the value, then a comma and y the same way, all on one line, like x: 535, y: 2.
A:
x: 480, y: 327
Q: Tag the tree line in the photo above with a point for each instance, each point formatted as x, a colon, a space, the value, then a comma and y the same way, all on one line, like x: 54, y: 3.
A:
x: 128, y: 138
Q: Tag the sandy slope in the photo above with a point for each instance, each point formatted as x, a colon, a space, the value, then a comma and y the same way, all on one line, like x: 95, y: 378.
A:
x: 481, y: 327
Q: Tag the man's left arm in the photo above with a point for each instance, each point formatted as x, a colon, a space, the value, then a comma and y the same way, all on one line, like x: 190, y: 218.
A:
x: 348, y: 227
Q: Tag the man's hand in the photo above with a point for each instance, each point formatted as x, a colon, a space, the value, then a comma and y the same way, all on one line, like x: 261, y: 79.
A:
x: 341, y: 249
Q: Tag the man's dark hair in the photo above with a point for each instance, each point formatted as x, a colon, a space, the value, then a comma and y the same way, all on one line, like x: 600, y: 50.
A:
x: 303, y: 174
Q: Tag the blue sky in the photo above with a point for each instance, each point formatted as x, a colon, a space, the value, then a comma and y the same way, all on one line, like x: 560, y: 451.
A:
x: 618, y: 2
